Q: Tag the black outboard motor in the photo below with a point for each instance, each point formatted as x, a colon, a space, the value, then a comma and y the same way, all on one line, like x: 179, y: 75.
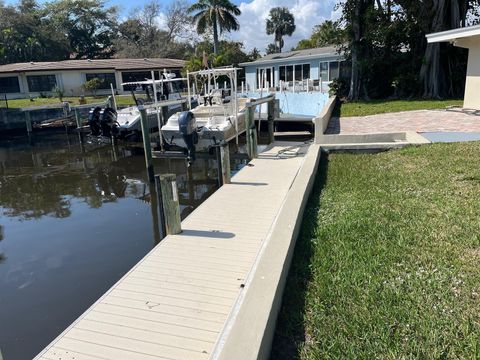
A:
x: 94, y: 121
x: 187, y: 125
x: 108, y: 122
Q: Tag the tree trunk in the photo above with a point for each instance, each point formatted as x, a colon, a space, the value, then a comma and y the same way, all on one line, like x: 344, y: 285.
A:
x: 431, y: 73
x: 355, y: 81
x: 215, y: 35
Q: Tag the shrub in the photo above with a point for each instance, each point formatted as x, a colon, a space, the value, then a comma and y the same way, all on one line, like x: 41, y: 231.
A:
x: 92, y: 85
x: 339, y: 87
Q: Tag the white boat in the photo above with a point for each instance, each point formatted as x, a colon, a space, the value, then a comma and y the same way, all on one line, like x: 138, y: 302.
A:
x: 219, y: 116
x: 154, y: 91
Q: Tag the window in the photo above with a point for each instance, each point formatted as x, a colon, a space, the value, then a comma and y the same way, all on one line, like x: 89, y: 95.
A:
x: 106, y: 78
x: 137, y: 76
x: 324, y: 71
x: 39, y: 83
x: 334, y: 70
x: 9, y: 85
x: 264, y: 77
x: 298, y: 72
x: 306, y: 71
x: 283, y: 73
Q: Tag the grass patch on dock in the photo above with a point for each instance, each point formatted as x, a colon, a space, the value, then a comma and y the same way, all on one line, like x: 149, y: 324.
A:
x: 373, y: 107
x: 387, y: 264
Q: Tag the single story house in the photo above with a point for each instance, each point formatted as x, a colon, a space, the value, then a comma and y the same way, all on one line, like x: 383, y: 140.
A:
x: 319, y: 65
x: 32, y: 79
x: 469, y: 38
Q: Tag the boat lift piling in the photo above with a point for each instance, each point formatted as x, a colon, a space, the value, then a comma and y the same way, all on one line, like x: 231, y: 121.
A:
x: 251, y: 130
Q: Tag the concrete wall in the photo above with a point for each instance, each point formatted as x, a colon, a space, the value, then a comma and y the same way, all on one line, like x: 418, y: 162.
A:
x: 250, y: 335
x: 323, y: 118
x: 306, y: 104
x: 14, y: 119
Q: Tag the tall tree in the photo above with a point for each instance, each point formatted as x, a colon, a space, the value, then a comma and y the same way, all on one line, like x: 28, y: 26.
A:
x: 327, y: 33
x: 220, y: 15
x: 280, y: 23
x: 141, y: 35
x: 89, y: 25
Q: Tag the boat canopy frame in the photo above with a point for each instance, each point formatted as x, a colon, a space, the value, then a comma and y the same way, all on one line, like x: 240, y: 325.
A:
x: 213, y: 74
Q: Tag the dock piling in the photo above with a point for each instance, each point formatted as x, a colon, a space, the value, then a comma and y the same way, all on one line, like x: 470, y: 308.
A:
x: 146, y: 143
x: 157, y: 209
x: 251, y: 133
x: 169, y: 203
x: 225, y: 158
x: 222, y: 154
x: 270, y: 118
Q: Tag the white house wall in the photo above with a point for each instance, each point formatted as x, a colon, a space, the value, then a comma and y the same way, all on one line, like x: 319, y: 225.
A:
x: 472, y: 84
x: 251, y: 70
x: 69, y: 81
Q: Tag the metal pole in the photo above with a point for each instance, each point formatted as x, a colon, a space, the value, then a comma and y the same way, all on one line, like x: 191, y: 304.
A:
x: 146, y: 143
x: 188, y: 87
x: 113, y: 97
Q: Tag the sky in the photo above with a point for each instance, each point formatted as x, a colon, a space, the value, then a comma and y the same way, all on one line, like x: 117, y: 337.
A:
x: 252, y: 33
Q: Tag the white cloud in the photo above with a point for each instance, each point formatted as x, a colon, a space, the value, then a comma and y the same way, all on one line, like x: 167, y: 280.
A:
x: 307, y: 13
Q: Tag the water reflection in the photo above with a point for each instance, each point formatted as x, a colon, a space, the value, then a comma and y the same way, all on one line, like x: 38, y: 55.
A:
x: 76, y: 216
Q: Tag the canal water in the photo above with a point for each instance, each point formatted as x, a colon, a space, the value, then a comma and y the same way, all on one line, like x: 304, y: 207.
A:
x: 74, y: 217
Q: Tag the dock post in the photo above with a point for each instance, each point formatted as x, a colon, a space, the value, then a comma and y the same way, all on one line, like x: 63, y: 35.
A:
x: 170, y: 203
x: 253, y: 130
x: 157, y: 209
x: 28, y: 122
x: 225, y: 156
x: 77, y: 118
x: 222, y: 153
x: 146, y: 143
x: 218, y: 157
x: 270, y: 119
x: 250, y: 132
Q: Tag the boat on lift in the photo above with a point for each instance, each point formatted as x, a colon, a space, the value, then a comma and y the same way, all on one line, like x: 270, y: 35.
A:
x: 152, y: 92
x: 219, y: 116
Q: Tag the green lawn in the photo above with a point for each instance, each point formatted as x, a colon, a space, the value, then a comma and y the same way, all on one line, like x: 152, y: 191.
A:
x: 363, y: 108
x: 387, y: 265
x: 21, y: 103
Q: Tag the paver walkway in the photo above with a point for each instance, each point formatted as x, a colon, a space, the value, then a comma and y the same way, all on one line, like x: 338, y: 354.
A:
x: 175, y: 302
x: 419, y: 121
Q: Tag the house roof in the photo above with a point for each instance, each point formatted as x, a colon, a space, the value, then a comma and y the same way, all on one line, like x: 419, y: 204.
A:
x: 100, y: 64
x: 454, y: 35
x: 295, y: 55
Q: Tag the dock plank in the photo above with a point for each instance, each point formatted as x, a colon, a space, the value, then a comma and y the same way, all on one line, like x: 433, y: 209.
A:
x: 175, y: 302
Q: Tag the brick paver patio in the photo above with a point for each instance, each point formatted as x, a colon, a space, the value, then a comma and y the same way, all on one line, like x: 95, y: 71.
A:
x: 419, y: 121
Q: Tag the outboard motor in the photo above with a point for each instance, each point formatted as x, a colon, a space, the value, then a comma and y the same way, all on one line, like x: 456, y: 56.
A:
x: 108, y: 122
x: 94, y: 121
x: 187, y: 125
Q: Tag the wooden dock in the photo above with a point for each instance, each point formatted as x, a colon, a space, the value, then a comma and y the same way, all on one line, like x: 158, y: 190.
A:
x: 176, y: 303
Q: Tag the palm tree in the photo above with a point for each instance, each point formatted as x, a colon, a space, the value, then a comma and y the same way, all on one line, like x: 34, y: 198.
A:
x: 217, y: 14
x: 280, y: 22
